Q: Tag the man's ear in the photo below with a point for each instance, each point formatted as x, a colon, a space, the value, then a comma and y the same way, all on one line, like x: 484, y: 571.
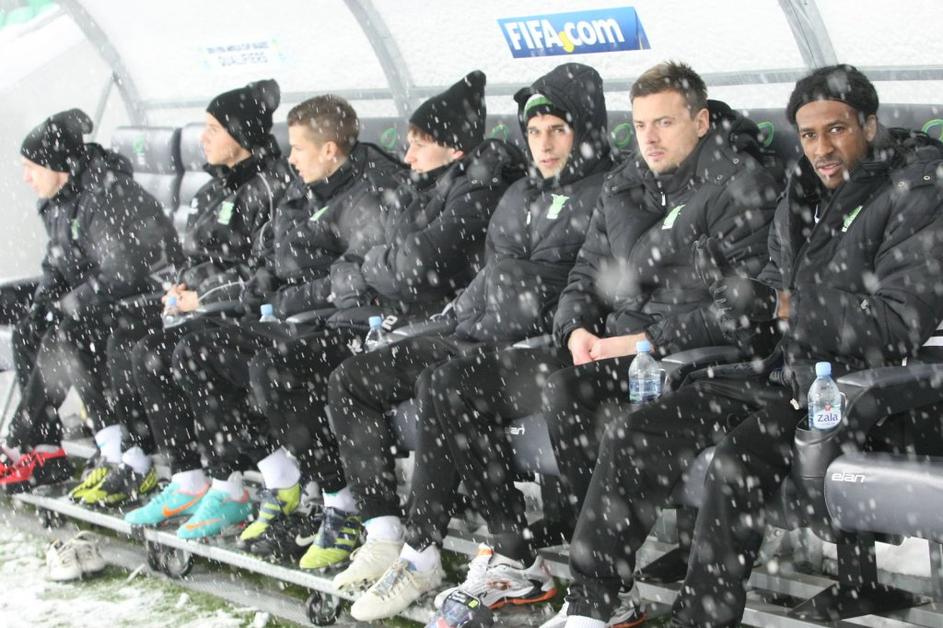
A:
x: 702, y: 119
x: 871, y: 128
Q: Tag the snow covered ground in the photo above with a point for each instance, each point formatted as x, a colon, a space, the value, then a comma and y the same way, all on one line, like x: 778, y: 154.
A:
x: 30, y: 600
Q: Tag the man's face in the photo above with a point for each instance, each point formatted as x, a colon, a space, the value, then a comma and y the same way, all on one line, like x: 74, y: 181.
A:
x: 833, y: 139
x: 218, y: 145
x: 45, y: 182
x: 550, y: 140
x: 424, y: 155
x: 313, y: 160
x: 666, y: 131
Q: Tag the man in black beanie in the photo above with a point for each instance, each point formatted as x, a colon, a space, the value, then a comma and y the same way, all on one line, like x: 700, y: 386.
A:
x: 105, y: 234
x: 852, y: 277
x: 221, y: 241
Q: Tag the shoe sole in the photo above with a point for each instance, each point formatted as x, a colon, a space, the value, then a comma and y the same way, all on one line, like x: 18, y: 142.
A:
x: 44, y: 475
x: 540, y: 596
x: 632, y: 624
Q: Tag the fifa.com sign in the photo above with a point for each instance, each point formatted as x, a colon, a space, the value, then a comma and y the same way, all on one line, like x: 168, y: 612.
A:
x: 604, y: 30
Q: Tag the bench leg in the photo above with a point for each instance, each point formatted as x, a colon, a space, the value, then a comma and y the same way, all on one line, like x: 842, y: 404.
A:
x: 8, y: 396
x: 672, y: 566
x: 857, y: 591
x: 936, y: 569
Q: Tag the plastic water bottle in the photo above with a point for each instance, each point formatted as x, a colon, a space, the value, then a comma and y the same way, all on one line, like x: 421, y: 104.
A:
x: 825, y: 400
x: 170, y: 318
x: 268, y: 313
x: 376, y: 337
x: 644, y: 374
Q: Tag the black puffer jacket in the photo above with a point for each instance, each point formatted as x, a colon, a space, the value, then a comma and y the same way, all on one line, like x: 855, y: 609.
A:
x: 106, y: 233
x: 865, y: 280
x: 635, y: 272
x: 539, y: 224
x: 226, y: 221
x: 323, y: 231
x: 435, y: 226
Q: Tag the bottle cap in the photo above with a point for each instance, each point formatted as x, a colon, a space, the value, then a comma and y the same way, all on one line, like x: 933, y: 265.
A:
x: 375, y: 322
x: 823, y: 369
x: 267, y: 309
x: 643, y: 346
x: 171, y: 301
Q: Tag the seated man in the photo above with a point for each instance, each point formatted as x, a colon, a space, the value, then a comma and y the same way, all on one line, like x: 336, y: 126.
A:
x: 324, y: 226
x: 105, y: 233
x: 853, y: 267
x: 697, y: 173
x: 533, y: 239
x: 224, y: 225
x: 434, y: 226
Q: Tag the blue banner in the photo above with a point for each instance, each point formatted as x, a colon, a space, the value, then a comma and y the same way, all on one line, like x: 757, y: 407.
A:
x: 603, y: 30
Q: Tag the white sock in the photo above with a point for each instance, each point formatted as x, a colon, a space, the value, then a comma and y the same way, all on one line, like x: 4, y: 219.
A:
x: 44, y: 448
x: 279, y: 470
x: 423, y: 560
x: 342, y: 500
x: 137, y: 460
x: 387, y: 528
x: 13, y: 453
x: 579, y: 621
x: 233, y: 486
x: 109, y: 443
x: 190, y: 482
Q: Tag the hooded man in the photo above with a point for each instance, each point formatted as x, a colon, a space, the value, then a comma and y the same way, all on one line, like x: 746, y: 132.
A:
x: 533, y: 238
x: 105, y: 235
x: 855, y: 252
x: 222, y: 241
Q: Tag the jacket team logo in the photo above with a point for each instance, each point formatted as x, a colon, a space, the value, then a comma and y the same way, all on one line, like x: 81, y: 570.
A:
x: 672, y: 217
x: 604, y: 30
x: 225, y: 213
x: 556, y: 206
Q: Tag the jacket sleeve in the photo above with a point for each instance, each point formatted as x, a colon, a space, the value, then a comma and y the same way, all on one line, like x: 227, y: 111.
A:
x: 125, y: 243
x: 51, y: 286
x: 739, y: 217
x: 580, y: 306
x: 429, y: 257
x: 902, y: 305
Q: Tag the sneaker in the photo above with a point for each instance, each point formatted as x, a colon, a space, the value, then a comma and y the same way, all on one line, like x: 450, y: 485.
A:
x: 627, y: 615
x: 368, y: 563
x: 36, y: 468
x: 121, y: 484
x: 395, y: 591
x: 169, y: 503
x: 497, y: 581
x: 288, y: 538
x: 96, y: 470
x: 339, y: 534
x: 214, y: 513
x: 274, y: 506
x: 72, y: 559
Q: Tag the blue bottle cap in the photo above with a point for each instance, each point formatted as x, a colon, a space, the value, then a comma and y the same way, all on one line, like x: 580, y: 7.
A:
x: 375, y: 322
x: 267, y: 309
x: 171, y: 301
x: 643, y: 346
x: 823, y: 369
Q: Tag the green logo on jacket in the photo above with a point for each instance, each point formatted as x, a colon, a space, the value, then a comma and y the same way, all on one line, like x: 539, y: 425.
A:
x: 850, y: 218
x: 672, y: 217
x: 225, y: 213
x: 318, y: 214
x: 75, y: 228
x: 556, y: 206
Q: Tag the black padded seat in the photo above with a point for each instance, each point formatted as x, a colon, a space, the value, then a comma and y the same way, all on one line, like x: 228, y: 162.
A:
x: 154, y: 153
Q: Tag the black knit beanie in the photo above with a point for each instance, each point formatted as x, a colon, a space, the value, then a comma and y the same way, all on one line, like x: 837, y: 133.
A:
x: 57, y: 142
x: 456, y: 117
x: 538, y: 104
x: 844, y: 83
x: 246, y: 112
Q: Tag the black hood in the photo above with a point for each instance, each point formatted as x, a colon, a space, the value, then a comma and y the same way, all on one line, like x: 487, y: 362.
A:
x: 578, y: 90
x: 740, y: 132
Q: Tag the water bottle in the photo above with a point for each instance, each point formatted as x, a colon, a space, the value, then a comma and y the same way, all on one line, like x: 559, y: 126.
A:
x: 170, y: 317
x: 644, y: 374
x: 376, y: 337
x: 825, y: 399
x: 268, y: 313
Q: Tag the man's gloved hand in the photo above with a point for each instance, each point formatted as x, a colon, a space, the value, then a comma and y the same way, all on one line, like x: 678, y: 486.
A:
x: 734, y: 295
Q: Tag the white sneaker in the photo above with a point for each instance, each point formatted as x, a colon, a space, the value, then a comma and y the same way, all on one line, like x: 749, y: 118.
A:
x: 627, y: 615
x: 62, y: 564
x: 395, y: 591
x: 368, y: 563
x: 86, y: 550
x: 497, y: 580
